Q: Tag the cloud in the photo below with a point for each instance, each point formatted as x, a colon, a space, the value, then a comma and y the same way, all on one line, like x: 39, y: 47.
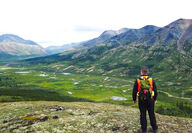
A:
x: 82, y: 28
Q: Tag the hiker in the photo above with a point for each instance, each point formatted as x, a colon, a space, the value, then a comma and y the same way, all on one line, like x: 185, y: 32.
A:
x: 145, y: 90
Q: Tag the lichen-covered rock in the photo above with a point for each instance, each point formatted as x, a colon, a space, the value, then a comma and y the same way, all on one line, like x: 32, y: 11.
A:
x: 80, y: 117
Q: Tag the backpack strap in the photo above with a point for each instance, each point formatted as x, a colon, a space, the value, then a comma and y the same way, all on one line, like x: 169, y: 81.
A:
x: 151, y: 86
x: 139, y: 86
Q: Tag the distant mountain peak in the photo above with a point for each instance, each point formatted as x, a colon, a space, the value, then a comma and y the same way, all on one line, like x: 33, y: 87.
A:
x: 122, y: 30
x: 114, y: 32
x: 15, y: 38
x: 109, y: 33
x: 183, y: 19
x: 14, y: 45
x: 183, y: 23
x: 149, y: 27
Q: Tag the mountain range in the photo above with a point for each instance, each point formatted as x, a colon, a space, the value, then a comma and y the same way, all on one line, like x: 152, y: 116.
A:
x: 179, y: 30
x: 13, y: 45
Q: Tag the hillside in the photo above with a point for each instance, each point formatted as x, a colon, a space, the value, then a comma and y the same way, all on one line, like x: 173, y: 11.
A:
x: 80, y: 117
x: 12, y: 45
x: 133, y: 35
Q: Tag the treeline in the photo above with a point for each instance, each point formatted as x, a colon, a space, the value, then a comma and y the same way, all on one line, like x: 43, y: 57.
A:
x: 181, y: 108
x: 8, y: 81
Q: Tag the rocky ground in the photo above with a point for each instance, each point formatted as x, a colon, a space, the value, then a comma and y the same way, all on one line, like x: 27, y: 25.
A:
x: 80, y: 117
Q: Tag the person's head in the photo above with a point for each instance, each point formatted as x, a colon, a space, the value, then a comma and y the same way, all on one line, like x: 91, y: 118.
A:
x: 144, y: 71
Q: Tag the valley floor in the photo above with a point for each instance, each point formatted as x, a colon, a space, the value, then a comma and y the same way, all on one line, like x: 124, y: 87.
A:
x: 80, y: 117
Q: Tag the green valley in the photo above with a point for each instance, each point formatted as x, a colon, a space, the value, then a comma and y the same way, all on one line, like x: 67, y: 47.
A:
x: 33, y: 84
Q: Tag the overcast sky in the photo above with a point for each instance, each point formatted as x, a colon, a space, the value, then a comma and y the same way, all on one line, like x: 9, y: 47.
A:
x: 57, y: 22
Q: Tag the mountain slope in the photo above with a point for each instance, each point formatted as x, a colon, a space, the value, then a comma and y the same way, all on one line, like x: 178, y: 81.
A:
x: 133, y: 35
x: 175, y: 31
x: 80, y: 117
x: 13, y: 45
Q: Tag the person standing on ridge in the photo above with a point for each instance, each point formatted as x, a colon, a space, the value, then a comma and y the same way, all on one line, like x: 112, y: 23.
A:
x: 145, y: 89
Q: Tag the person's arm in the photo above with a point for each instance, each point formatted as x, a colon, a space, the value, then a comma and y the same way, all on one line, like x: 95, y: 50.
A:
x: 134, y: 93
x: 155, y: 91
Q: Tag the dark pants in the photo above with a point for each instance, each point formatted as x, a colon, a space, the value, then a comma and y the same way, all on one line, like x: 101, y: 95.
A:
x: 147, y: 105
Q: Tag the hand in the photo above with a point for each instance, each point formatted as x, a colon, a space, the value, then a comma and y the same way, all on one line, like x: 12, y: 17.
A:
x: 155, y: 101
x: 134, y: 102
